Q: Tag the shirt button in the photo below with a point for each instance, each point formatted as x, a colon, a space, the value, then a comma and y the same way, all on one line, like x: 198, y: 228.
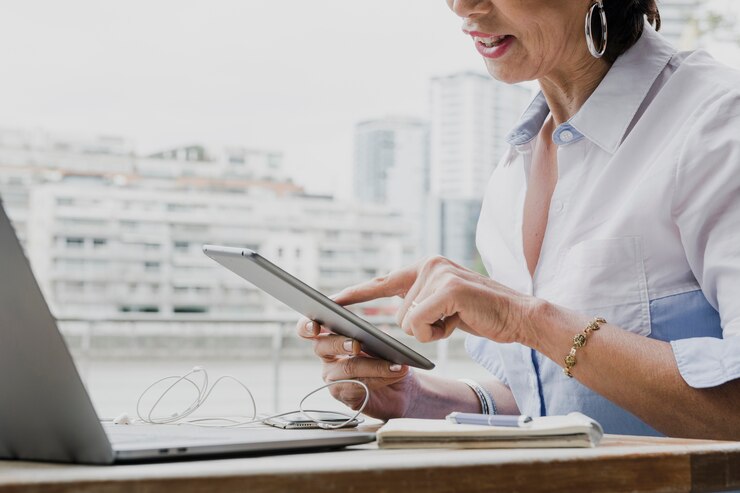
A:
x: 557, y: 205
x: 566, y: 135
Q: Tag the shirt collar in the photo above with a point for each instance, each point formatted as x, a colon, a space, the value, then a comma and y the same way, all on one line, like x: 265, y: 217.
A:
x: 605, y: 117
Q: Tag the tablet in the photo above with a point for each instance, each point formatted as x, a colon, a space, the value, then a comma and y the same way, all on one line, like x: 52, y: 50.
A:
x: 310, y: 303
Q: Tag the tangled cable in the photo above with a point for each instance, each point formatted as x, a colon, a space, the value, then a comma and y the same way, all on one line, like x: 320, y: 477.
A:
x: 204, y: 391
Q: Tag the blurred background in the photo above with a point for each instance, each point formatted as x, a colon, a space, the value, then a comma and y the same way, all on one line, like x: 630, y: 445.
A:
x: 339, y: 139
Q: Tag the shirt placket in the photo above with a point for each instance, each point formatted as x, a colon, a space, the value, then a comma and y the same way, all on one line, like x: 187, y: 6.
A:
x: 546, y: 272
x: 532, y: 404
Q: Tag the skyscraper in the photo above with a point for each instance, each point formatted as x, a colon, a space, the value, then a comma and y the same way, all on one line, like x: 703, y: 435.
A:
x: 470, y: 116
x: 392, y: 168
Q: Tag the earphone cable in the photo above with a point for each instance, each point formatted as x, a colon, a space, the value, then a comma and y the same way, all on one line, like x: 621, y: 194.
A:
x: 204, y: 391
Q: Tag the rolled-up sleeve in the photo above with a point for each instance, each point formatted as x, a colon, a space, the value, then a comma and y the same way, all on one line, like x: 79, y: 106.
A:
x: 707, y: 361
x: 706, y: 209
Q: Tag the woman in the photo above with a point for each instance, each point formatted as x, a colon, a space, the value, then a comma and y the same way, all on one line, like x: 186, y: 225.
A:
x: 619, y: 198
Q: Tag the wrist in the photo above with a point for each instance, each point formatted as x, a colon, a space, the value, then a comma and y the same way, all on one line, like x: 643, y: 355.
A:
x: 435, y: 397
x: 413, y: 395
x: 487, y: 403
x: 552, y: 328
x: 539, y: 316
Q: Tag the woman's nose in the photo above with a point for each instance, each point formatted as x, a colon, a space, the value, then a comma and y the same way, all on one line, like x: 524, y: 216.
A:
x: 470, y: 8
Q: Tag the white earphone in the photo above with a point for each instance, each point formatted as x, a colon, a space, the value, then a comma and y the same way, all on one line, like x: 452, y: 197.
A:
x: 122, y: 419
x: 204, y: 391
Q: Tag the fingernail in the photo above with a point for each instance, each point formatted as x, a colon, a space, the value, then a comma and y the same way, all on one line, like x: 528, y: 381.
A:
x: 347, y: 345
x: 310, y: 329
x: 395, y: 367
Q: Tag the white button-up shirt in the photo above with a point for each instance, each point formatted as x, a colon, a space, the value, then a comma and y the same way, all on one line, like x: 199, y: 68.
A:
x: 643, y: 228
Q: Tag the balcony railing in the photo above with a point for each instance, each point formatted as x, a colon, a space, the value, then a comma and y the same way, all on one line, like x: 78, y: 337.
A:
x: 142, y: 335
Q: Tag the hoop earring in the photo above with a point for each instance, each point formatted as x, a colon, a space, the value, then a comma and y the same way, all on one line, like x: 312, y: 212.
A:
x: 596, y: 53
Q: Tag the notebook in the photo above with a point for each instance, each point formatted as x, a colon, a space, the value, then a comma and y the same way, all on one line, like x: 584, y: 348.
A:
x: 572, y: 430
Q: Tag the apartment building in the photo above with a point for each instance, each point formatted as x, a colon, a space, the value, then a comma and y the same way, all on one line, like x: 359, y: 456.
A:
x: 471, y: 114
x: 392, y: 168
x: 111, y: 234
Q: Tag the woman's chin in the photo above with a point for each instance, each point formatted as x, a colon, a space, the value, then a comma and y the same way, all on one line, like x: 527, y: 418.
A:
x: 506, y: 74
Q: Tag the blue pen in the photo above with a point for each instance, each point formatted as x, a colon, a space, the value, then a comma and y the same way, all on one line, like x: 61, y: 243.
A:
x: 488, y: 419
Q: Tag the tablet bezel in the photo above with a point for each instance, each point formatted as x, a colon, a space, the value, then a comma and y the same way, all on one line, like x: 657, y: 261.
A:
x: 296, y: 294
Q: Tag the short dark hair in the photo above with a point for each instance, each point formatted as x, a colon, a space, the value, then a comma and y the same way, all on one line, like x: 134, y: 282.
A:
x: 625, y: 20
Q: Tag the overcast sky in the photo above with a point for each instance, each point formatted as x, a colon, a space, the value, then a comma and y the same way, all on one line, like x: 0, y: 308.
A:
x: 290, y: 75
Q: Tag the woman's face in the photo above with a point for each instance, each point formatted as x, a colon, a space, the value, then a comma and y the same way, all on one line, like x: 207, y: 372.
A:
x: 525, y: 39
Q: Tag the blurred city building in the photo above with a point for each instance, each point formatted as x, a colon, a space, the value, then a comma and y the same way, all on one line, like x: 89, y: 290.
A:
x: 111, y: 234
x: 471, y: 114
x: 676, y: 16
x: 392, y: 168
x: 435, y: 173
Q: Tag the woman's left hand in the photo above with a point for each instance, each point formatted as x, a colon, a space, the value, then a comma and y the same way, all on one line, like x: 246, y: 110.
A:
x: 440, y: 296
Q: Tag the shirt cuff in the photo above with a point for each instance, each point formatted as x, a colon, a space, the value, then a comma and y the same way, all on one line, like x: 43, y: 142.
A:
x: 707, y: 361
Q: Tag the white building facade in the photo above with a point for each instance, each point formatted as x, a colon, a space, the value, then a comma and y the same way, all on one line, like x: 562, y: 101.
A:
x: 392, y: 169
x: 471, y: 114
x: 114, y: 235
x: 676, y: 17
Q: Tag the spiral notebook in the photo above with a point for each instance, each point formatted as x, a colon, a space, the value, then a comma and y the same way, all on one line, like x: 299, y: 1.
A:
x: 572, y: 430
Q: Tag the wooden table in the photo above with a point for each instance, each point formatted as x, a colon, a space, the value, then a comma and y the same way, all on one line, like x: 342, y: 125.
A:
x: 619, y: 464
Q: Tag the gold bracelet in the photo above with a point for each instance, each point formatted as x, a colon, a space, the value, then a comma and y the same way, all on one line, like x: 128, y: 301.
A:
x: 579, y: 340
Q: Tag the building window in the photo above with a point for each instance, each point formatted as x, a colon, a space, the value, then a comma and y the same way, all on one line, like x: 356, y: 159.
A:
x: 190, y: 309
x: 75, y: 242
x: 181, y: 246
x: 138, y: 309
x: 151, y: 266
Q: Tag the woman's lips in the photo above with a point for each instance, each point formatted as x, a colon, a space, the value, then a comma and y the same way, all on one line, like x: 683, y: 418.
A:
x: 492, y: 46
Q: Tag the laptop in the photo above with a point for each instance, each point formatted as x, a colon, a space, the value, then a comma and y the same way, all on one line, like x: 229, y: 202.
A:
x: 46, y: 413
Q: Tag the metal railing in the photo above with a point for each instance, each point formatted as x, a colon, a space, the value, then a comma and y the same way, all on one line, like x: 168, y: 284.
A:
x: 153, y: 337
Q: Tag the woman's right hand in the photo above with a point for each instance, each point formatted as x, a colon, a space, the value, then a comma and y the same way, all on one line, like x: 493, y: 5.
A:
x: 392, y: 386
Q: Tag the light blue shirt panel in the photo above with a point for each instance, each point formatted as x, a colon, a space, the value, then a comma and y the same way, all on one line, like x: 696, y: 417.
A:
x: 685, y: 319
x: 485, y: 353
x: 703, y: 357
